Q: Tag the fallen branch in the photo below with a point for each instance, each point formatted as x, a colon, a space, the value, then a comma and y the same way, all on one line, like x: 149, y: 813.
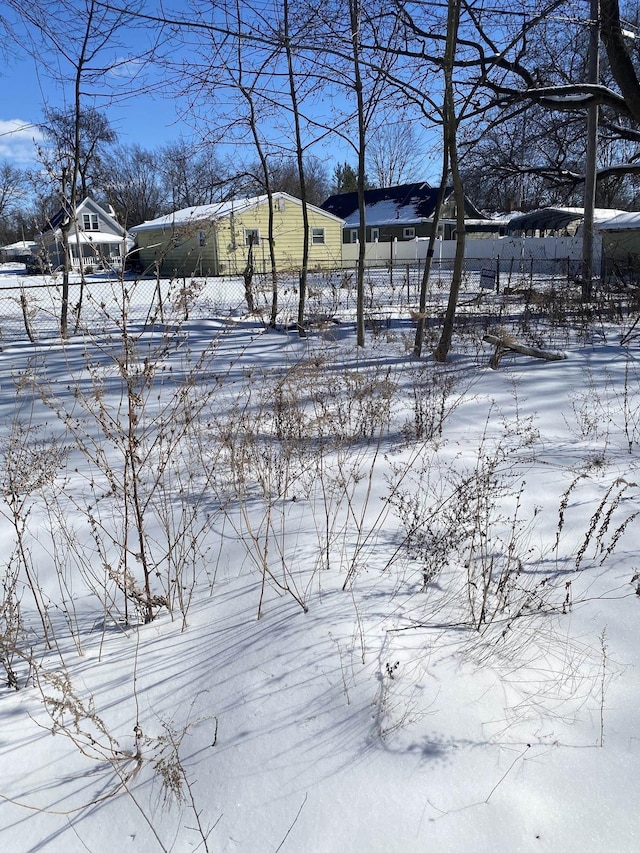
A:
x: 504, y: 346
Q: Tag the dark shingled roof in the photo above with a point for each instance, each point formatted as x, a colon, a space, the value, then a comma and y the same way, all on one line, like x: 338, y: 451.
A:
x: 406, y: 201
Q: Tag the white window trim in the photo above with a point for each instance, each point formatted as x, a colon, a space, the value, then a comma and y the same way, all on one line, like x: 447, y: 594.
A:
x: 90, y: 222
x: 255, y: 232
x: 375, y: 235
x: 409, y: 233
x: 318, y: 236
x: 354, y: 235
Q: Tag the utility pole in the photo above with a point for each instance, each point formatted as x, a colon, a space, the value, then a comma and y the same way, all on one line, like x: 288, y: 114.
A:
x: 591, y: 165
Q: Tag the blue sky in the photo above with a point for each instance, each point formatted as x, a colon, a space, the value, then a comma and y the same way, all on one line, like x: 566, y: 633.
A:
x: 148, y: 120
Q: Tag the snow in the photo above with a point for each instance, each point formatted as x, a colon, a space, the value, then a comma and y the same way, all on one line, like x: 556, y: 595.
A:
x: 622, y: 220
x: 387, y: 212
x: 211, y: 212
x: 374, y: 718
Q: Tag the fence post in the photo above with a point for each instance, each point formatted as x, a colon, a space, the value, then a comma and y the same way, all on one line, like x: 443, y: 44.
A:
x: 498, y: 274
x: 408, y: 282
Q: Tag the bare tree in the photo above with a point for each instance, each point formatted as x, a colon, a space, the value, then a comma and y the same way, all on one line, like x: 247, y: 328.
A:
x: 394, y: 153
x: 132, y: 184
x: 450, y: 138
x: 193, y: 174
x: 13, y: 199
x: 354, y: 53
x: 285, y: 177
x: 295, y: 111
x: 13, y: 185
x: 533, y: 88
x: 73, y: 42
x: 89, y: 130
x: 620, y: 58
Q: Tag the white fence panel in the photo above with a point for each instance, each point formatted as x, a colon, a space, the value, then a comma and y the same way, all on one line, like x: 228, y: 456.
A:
x: 504, y: 248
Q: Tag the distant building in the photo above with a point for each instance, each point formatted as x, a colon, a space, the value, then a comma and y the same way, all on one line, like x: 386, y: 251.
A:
x: 17, y: 251
x: 95, y: 238
x: 214, y: 239
x: 401, y: 213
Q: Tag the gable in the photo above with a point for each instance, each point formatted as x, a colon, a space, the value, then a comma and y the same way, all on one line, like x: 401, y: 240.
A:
x: 91, y: 218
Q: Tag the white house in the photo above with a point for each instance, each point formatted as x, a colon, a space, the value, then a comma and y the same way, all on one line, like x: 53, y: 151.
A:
x: 96, y: 239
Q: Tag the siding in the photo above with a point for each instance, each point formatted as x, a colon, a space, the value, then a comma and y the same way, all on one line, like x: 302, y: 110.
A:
x: 225, y: 250
x: 187, y: 257
x: 287, y: 235
x: 620, y: 245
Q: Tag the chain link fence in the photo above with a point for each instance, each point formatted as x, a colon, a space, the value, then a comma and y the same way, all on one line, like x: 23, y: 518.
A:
x: 30, y: 306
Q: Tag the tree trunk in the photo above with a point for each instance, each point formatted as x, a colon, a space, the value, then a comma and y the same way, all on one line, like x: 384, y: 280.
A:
x: 354, y: 12
x: 450, y: 131
x: 424, y: 284
x: 302, y: 294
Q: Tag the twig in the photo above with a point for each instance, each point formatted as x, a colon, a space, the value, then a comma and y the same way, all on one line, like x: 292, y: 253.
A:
x: 295, y: 820
x: 509, y: 769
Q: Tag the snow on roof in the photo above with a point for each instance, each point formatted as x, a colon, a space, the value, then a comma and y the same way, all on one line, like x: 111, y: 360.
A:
x: 99, y: 238
x: 623, y: 220
x: 404, y: 203
x: 21, y: 245
x: 387, y: 212
x: 200, y: 213
x: 550, y: 218
x: 211, y: 212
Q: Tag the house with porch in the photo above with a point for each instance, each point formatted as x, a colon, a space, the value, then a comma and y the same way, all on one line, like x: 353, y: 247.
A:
x: 96, y: 240
x: 218, y: 239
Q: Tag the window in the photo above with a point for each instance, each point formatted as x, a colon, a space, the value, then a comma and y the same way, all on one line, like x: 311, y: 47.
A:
x: 317, y: 236
x: 202, y: 238
x: 90, y: 222
x: 354, y: 235
x: 252, y: 236
x: 375, y: 235
x: 409, y: 233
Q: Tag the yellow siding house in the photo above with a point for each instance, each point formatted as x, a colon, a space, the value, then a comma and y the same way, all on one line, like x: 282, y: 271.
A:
x: 214, y: 239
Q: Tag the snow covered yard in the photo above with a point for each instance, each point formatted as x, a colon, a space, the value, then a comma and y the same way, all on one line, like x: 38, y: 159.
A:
x: 264, y: 593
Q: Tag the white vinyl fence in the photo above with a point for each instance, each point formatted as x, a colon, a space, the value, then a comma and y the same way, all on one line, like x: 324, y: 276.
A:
x: 476, y: 248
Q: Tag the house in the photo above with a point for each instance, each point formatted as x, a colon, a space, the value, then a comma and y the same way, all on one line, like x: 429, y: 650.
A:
x: 96, y: 239
x: 399, y: 213
x: 17, y: 251
x: 215, y: 239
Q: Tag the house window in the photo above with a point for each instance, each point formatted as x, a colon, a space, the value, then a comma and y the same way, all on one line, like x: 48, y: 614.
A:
x: 252, y: 236
x: 354, y: 235
x: 375, y: 235
x: 317, y: 236
x: 90, y: 222
x: 409, y: 233
x: 202, y: 239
